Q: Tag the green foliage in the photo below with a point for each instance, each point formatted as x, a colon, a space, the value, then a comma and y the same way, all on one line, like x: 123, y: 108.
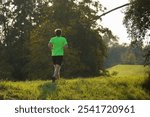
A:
x: 124, y: 86
x: 114, y: 55
x: 123, y: 54
x: 5, y: 68
x: 147, y: 81
x: 137, y: 18
x: 109, y: 39
x: 17, y: 24
x: 147, y: 54
x: 28, y: 26
x: 86, y: 48
x: 137, y: 21
x: 133, y: 55
x: 40, y: 64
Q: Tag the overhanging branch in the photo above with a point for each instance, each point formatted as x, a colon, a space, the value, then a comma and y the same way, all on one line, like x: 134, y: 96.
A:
x: 114, y: 9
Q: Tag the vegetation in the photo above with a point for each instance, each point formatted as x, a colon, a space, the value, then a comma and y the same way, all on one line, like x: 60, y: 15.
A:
x: 137, y: 18
x: 137, y: 21
x: 24, y: 55
x: 28, y: 26
x: 124, y: 54
x: 126, y: 84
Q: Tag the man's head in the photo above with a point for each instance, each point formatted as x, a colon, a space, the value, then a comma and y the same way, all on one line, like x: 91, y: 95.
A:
x: 58, y: 32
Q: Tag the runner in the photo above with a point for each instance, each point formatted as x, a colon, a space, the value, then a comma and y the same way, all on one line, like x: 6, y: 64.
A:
x: 57, y: 45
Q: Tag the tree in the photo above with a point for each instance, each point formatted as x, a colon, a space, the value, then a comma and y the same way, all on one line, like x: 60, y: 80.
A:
x: 137, y: 20
x: 128, y: 58
x: 124, y: 54
x: 78, y: 22
x: 114, y: 56
x: 147, y: 56
x: 17, y: 22
x: 108, y: 37
x: 5, y: 68
x: 28, y: 26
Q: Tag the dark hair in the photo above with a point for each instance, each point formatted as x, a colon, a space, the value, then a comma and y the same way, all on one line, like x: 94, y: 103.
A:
x: 58, y: 32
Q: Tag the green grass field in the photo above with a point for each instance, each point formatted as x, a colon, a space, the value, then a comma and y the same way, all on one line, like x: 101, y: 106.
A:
x: 125, y: 83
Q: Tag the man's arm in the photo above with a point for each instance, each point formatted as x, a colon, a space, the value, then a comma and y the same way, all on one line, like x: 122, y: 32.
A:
x: 50, y: 45
x: 66, y: 46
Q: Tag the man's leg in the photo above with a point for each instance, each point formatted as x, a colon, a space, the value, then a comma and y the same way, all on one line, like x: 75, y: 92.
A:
x: 54, y: 65
x: 58, y: 67
x: 53, y: 77
x: 55, y: 71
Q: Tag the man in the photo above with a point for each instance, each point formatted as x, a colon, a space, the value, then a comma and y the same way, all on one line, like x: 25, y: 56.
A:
x: 57, y: 45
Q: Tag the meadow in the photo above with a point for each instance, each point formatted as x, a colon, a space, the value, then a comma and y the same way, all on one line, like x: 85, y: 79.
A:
x: 124, y: 83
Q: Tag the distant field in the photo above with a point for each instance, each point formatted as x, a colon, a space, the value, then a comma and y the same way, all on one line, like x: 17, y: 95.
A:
x: 129, y: 70
x: 124, y: 84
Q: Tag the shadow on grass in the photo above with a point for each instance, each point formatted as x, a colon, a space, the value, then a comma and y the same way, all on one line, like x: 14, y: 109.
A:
x: 47, y: 89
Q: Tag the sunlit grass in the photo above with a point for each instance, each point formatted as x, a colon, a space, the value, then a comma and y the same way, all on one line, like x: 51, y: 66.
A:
x: 125, y: 85
x: 129, y: 70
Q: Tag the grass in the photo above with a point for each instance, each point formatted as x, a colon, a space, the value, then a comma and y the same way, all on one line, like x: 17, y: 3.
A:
x: 126, y: 84
x: 129, y: 70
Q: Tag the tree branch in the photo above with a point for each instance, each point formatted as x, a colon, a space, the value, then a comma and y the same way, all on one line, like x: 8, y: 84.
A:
x: 114, y: 9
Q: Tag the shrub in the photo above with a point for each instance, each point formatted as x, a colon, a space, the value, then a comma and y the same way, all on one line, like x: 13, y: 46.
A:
x: 114, y: 73
x: 146, y: 84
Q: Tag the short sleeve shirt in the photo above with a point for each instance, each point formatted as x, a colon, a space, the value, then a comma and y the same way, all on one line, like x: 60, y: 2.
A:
x: 58, y: 44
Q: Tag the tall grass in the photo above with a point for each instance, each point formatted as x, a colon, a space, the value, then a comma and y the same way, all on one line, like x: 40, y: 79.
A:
x: 96, y: 88
x: 118, y: 87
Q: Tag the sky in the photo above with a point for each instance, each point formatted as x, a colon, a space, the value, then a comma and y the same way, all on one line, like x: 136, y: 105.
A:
x: 114, y: 19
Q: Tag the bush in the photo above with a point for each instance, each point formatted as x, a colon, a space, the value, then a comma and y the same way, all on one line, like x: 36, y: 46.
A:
x: 5, y: 75
x: 104, y: 73
x: 114, y: 73
x: 146, y: 84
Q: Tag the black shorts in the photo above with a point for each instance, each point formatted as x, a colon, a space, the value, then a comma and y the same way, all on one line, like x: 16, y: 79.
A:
x: 57, y: 60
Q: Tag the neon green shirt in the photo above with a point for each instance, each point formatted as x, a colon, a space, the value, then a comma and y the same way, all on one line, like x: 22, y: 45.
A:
x: 58, y: 44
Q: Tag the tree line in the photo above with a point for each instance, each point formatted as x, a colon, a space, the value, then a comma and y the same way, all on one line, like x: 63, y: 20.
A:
x: 125, y: 54
x: 28, y: 26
